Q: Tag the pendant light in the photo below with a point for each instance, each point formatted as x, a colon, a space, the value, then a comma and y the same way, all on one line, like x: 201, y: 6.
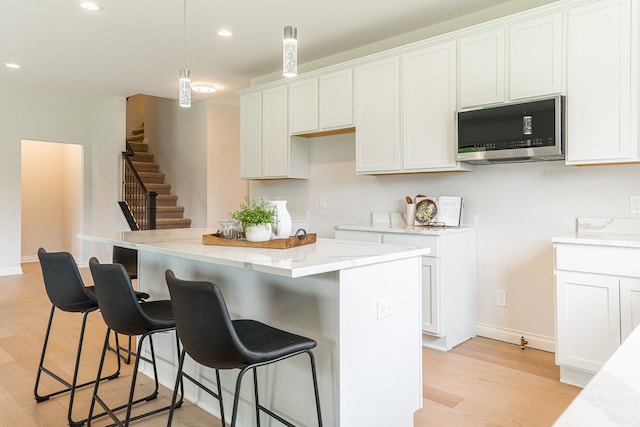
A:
x: 290, y: 52
x: 184, y: 82
x: 290, y: 49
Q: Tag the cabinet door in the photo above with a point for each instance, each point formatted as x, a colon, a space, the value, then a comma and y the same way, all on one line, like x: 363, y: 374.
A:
x: 377, y: 116
x: 430, y: 296
x: 336, y: 100
x: 303, y: 105
x: 275, y: 133
x: 429, y: 79
x: 599, y: 82
x: 588, y: 319
x: 482, y: 69
x: 629, y: 306
x: 251, y: 135
x: 535, y: 59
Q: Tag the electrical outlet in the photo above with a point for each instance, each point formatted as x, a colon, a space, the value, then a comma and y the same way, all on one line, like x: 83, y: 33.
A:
x: 634, y: 204
x: 501, y: 297
x: 385, y: 308
x: 322, y: 203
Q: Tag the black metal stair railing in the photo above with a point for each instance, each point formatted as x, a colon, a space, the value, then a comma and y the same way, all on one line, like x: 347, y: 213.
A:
x: 139, y: 204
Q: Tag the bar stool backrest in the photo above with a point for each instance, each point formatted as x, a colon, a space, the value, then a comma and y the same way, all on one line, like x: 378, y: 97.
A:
x: 204, y: 325
x: 63, y: 282
x: 117, y: 300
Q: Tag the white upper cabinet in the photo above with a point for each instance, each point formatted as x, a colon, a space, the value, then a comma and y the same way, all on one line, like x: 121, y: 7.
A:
x: 482, y: 59
x: 532, y: 63
x: 336, y: 100
x: 303, y: 105
x: 266, y: 150
x: 429, y: 78
x: 600, y: 85
x: 321, y: 103
x: 535, y: 57
x: 251, y: 135
x: 275, y: 133
x: 377, y: 116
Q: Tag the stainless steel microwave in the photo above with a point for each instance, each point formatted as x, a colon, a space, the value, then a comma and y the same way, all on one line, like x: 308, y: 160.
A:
x: 516, y: 132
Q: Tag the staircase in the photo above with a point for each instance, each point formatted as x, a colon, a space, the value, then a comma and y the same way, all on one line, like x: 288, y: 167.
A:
x: 168, y: 213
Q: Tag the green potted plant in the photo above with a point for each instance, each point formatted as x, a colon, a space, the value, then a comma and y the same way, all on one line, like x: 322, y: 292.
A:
x: 255, y: 217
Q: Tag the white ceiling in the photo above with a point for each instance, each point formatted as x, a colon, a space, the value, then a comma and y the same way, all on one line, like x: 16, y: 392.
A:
x: 136, y: 46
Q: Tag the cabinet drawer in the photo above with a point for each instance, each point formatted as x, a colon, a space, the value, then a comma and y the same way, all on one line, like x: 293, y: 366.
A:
x: 598, y: 259
x: 431, y: 242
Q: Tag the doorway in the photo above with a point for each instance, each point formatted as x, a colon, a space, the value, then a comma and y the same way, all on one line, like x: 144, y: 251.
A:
x: 52, y: 197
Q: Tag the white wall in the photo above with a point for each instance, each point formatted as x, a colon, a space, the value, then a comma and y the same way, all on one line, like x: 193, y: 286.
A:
x: 51, y: 197
x: 225, y: 189
x: 33, y: 117
x: 177, y: 137
x: 198, y: 151
x: 517, y: 209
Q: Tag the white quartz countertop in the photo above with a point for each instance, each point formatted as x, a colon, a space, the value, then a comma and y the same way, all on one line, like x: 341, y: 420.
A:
x: 601, y: 239
x: 612, y: 397
x: 605, y: 231
x: 404, y: 229
x: 325, y: 255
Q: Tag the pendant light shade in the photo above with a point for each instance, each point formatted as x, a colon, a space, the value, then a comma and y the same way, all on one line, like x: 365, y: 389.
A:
x: 184, y: 95
x: 290, y: 52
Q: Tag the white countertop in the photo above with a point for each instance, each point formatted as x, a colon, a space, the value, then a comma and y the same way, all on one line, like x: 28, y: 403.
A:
x: 612, y: 397
x: 404, y: 229
x: 323, y: 256
x: 604, y: 231
x: 601, y: 239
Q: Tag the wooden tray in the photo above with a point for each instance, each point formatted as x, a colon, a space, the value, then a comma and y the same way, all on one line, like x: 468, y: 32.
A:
x: 290, y: 242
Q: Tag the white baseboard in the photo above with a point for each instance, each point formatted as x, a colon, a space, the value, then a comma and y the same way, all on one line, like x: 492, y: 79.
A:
x: 29, y: 258
x: 539, y: 342
x: 10, y: 271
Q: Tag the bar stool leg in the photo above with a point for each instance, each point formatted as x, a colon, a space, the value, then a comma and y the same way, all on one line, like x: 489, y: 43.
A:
x: 72, y: 386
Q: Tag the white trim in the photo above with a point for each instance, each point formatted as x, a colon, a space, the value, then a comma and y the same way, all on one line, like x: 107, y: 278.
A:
x: 536, y: 341
x: 10, y: 271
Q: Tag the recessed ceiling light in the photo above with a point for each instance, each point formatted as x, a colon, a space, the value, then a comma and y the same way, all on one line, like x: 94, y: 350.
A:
x: 12, y: 65
x: 225, y: 33
x: 89, y: 5
x: 203, y: 87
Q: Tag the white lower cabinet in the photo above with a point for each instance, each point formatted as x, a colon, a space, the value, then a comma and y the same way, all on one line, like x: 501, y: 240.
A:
x: 597, y: 307
x: 449, y: 299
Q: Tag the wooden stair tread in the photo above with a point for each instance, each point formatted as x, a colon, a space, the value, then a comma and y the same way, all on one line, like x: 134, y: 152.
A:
x: 138, y: 131
x: 142, y: 157
x: 151, y: 177
x: 146, y: 167
x: 136, y: 138
x: 139, y: 147
x: 166, y: 223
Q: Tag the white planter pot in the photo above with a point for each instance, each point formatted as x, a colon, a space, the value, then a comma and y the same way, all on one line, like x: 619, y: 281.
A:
x: 258, y: 233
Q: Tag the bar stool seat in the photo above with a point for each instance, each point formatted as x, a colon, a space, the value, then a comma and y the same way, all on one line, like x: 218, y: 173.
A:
x: 125, y: 315
x: 212, y: 339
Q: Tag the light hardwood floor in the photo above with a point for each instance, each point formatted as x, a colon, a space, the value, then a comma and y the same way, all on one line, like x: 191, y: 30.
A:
x: 479, y: 383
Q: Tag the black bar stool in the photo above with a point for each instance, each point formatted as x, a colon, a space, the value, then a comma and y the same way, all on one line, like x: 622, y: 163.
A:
x: 67, y: 292
x: 124, y: 314
x: 212, y: 339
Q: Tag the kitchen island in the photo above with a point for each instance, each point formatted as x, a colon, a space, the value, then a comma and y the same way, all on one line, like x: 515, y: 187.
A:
x: 359, y: 301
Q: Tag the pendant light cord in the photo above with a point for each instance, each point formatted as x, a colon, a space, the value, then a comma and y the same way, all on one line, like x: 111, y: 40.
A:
x: 184, y: 32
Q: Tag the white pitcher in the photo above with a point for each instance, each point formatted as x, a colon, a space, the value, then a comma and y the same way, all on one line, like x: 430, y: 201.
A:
x: 281, y: 228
